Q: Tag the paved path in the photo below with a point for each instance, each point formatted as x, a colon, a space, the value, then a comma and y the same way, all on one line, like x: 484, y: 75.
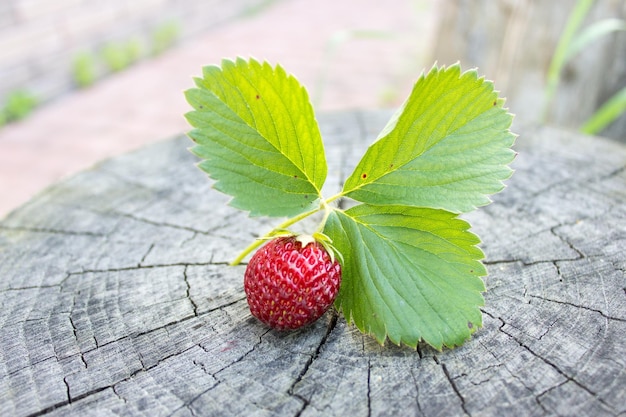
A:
x: 145, y: 103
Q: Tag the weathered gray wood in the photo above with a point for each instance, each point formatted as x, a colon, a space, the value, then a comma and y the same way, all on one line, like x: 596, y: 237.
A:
x: 116, y: 299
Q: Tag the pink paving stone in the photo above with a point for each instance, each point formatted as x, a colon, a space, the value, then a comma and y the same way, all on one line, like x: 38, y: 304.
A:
x: 145, y: 103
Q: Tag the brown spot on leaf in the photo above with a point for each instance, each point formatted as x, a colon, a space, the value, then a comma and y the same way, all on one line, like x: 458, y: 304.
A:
x: 258, y: 96
x: 364, y: 175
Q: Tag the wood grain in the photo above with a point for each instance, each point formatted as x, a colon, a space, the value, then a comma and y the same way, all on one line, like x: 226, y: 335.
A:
x: 116, y: 298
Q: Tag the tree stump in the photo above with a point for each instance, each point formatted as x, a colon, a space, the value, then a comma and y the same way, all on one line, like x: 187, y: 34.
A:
x: 117, y: 298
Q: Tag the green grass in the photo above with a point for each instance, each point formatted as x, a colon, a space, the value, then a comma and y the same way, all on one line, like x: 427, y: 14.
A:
x: 18, y: 105
x: 164, y: 36
x: 571, y: 43
x: 84, y: 69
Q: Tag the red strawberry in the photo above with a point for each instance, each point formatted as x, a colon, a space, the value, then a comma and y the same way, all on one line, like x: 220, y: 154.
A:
x: 291, y: 281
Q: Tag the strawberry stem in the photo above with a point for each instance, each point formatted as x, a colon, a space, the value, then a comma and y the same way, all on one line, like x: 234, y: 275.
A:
x: 289, y: 222
x: 327, y: 210
x: 333, y: 198
x: 267, y: 236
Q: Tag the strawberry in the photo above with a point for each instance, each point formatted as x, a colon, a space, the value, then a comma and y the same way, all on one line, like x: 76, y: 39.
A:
x: 291, y: 281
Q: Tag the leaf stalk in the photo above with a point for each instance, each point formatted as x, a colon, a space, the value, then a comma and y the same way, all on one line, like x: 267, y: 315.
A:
x: 258, y: 242
x: 324, y: 205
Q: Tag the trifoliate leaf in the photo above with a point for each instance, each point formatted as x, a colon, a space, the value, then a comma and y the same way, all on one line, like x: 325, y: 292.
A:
x: 447, y: 147
x: 408, y: 273
x: 257, y: 135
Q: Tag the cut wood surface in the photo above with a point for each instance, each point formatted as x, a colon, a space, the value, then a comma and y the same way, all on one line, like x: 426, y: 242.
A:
x: 116, y: 298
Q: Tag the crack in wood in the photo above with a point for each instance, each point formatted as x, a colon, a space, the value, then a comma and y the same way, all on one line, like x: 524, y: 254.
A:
x: 188, y: 404
x: 369, y: 387
x: 567, y: 185
x: 143, y: 258
x: 112, y: 386
x: 72, y: 400
x: 136, y: 335
x: 75, y: 333
x: 161, y: 224
x: 481, y: 370
x: 188, y: 293
x: 138, y: 267
x: 547, y: 391
x: 455, y: 388
x: 159, y: 362
x: 549, y: 327
x: 190, y: 239
x: 418, y: 403
x: 29, y: 288
x: 554, y: 262
x: 162, y: 195
x: 222, y: 306
x: 548, y: 362
x: 215, y: 375
x: 608, y: 176
x: 50, y: 231
x: 67, y: 390
x: 305, y: 369
x: 526, y: 263
x: 31, y: 364
x: 607, y: 406
x: 419, y: 350
x: 581, y: 255
x: 568, y: 303
x: 61, y: 404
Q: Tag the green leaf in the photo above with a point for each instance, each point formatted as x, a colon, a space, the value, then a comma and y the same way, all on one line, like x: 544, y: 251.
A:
x: 447, y: 147
x: 258, y: 137
x: 408, y: 273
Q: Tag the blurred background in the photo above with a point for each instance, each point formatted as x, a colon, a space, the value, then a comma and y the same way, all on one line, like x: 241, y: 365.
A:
x: 84, y: 80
